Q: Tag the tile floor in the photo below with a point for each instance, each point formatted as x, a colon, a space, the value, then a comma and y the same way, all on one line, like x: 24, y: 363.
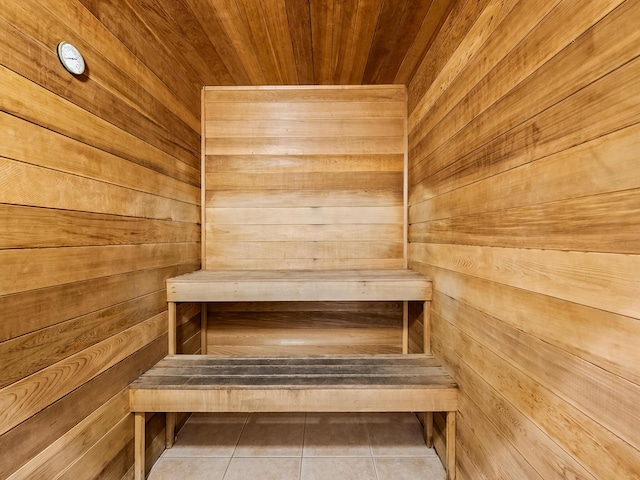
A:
x: 385, y: 446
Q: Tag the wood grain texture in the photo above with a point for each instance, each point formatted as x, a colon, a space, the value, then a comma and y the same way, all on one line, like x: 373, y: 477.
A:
x: 304, y: 328
x: 523, y: 184
x: 42, y: 429
x: 475, y: 123
x: 310, y: 172
x: 292, y: 383
x: 100, y: 204
x: 306, y: 285
x: 289, y: 41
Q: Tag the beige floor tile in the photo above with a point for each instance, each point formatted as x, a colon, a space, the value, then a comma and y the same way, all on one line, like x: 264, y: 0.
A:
x: 189, y: 469
x: 208, y: 435
x: 272, y: 435
x: 395, y: 434
x: 332, y: 468
x: 335, y: 435
x: 263, y: 469
x: 409, y: 468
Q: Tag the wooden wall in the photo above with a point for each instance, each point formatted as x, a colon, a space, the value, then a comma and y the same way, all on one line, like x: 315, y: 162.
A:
x: 524, y: 205
x: 99, y: 203
x: 304, y: 178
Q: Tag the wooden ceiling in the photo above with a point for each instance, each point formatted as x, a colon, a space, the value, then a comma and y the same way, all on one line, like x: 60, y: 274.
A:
x: 292, y: 42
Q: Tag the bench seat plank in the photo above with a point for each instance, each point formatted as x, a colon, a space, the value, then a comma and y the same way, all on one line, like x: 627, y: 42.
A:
x: 192, y: 383
x: 298, y: 285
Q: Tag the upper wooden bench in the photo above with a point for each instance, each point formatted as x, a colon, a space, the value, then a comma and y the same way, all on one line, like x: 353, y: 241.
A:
x: 298, y: 285
x: 294, y: 286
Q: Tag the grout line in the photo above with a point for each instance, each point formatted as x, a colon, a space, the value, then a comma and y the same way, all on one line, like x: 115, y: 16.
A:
x: 226, y: 470
x: 373, y: 459
x: 366, y: 431
x: 304, y: 434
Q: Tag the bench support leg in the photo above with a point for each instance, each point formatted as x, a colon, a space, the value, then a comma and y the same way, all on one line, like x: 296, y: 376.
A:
x: 170, y: 429
x: 451, y: 446
x: 139, y: 446
x: 426, y: 331
x: 428, y: 429
x: 171, y: 333
x: 405, y: 327
x: 203, y: 328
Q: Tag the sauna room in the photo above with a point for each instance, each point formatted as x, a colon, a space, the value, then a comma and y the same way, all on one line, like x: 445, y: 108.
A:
x: 320, y: 239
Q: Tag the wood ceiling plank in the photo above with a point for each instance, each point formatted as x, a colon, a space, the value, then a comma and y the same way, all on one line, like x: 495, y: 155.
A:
x: 366, y: 21
x: 454, y: 29
x: 194, y: 32
x: 254, y: 18
x: 344, y: 20
x: 277, y: 23
x: 299, y: 18
x: 321, y: 38
x: 234, y: 26
x: 218, y: 37
x: 282, y: 42
x: 123, y: 21
x: 383, y: 38
x: 414, y: 15
x: 437, y: 14
x: 160, y: 22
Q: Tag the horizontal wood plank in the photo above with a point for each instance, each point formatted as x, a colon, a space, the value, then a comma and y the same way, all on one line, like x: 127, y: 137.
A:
x: 283, y: 180
x: 64, y: 191
x: 48, y: 149
x: 263, y: 383
x: 52, y: 383
x: 583, y: 224
x: 299, y: 286
x: 305, y: 216
x: 39, y: 268
x: 302, y: 250
x: 298, y: 93
x: 303, y: 198
x: 38, y: 309
x: 580, y: 171
x: 287, y: 145
x: 309, y: 111
x: 305, y: 264
x: 304, y: 233
x: 64, y: 451
x: 357, y: 127
x: 554, y: 415
x: 32, y: 436
x: 305, y: 163
x: 31, y: 227
x: 68, y: 119
x: 600, y: 280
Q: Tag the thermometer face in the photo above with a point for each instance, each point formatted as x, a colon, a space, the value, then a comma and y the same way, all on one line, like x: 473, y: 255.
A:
x: 71, y: 58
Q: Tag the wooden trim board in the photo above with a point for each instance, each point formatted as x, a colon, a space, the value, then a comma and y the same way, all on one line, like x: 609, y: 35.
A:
x: 304, y: 285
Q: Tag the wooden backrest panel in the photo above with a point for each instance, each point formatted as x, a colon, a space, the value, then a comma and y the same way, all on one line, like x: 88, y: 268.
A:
x: 304, y: 177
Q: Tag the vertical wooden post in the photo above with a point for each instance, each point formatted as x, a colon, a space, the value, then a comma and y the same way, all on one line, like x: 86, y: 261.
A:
x: 170, y: 429
x: 203, y: 328
x: 428, y: 429
x: 426, y: 347
x: 451, y: 446
x: 203, y: 183
x: 170, y: 420
x: 139, y: 446
x: 171, y: 332
x: 426, y: 333
x: 405, y: 327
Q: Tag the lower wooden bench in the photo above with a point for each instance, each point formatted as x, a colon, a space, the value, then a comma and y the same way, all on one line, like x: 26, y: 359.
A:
x: 349, y: 383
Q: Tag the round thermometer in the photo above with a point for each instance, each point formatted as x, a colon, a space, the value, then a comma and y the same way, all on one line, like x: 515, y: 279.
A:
x: 71, y: 58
